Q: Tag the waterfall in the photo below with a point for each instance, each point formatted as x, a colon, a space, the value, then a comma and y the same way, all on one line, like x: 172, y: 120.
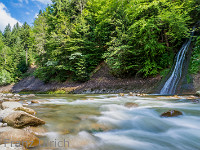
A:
x: 171, y: 84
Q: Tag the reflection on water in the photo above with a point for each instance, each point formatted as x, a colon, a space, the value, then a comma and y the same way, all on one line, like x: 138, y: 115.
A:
x: 102, y: 122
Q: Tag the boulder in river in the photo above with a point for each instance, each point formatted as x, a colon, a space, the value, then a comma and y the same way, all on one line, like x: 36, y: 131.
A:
x: 131, y: 94
x: 130, y: 105
x: 20, y: 119
x: 99, y: 127
x: 171, y: 113
x: 35, y: 101
x: 121, y: 94
x: 25, y: 109
x: 191, y: 97
x: 14, y: 99
x: 9, y: 95
x: 11, y: 105
x: 19, y: 137
x: 176, y: 97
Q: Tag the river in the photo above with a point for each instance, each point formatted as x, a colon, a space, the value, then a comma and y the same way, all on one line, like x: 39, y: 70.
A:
x: 102, y: 122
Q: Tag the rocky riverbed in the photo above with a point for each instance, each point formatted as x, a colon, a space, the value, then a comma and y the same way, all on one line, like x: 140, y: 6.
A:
x: 95, y: 121
x: 19, y: 127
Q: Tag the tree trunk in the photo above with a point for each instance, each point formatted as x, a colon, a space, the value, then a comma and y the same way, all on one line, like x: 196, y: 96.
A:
x: 26, y: 57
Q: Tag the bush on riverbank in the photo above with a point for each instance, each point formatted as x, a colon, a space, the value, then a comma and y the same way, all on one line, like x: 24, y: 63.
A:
x: 195, y: 60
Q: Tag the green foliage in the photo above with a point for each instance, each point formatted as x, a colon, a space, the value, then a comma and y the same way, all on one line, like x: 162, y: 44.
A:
x: 57, y: 92
x: 5, y: 78
x: 195, y: 60
x: 13, y: 46
x: 70, y: 38
x: 139, y: 34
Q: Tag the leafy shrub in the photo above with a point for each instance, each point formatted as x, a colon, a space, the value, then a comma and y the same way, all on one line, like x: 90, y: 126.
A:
x: 5, y: 77
x: 195, y: 60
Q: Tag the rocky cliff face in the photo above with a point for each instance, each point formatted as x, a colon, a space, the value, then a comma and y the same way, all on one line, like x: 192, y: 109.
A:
x: 196, y: 82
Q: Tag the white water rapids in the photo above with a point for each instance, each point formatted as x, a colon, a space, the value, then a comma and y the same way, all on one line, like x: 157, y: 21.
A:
x: 137, y: 128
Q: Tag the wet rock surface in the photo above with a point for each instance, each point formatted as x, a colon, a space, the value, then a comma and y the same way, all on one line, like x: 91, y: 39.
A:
x: 35, y: 101
x: 130, y: 105
x: 171, y: 113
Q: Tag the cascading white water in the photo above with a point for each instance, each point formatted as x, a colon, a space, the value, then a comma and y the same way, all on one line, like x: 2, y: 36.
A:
x: 105, y: 123
x: 171, y: 84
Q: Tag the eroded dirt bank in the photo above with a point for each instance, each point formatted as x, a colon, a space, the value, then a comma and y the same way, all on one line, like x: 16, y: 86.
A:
x: 101, y: 82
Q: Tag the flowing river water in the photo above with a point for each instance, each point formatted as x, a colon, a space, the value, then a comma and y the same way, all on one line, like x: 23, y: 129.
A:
x: 102, y: 122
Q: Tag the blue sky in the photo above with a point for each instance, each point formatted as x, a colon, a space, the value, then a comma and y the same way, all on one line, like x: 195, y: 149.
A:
x: 13, y: 11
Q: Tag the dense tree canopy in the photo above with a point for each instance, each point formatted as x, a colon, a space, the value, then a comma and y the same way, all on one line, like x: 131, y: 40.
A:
x: 70, y: 38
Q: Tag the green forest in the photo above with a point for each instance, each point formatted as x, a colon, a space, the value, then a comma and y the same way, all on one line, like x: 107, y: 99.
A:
x: 70, y: 38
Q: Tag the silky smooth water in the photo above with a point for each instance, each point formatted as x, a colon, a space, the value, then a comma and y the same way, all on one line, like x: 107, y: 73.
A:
x: 102, y: 122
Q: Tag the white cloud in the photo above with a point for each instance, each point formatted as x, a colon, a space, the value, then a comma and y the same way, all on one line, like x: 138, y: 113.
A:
x: 43, y: 1
x: 36, y: 15
x: 27, y: 13
x: 6, y: 17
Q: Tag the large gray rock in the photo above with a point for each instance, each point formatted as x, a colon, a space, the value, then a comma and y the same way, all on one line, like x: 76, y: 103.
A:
x: 11, y: 105
x: 20, y: 119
